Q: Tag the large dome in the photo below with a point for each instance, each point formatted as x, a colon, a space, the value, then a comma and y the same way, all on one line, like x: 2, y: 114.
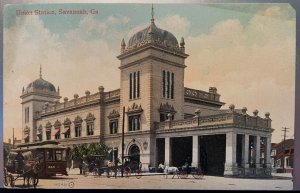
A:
x: 41, y: 85
x: 158, y: 35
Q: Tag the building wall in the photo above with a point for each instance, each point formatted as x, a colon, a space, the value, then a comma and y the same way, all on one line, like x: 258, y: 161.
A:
x: 95, y: 110
x: 35, y: 103
x: 189, y: 108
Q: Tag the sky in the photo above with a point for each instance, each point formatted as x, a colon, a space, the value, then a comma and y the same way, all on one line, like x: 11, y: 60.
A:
x: 246, y: 51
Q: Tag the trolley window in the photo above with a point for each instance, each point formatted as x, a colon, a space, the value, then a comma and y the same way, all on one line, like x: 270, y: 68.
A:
x: 58, y: 155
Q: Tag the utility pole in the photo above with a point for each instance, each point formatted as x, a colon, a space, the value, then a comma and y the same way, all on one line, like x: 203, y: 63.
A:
x: 13, y: 138
x: 284, y: 136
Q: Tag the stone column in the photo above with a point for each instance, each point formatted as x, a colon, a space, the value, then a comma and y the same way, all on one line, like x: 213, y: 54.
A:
x: 195, y: 159
x: 168, y: 151
x: 257, y: 151
x: 230, y: 164
x: 268, y: 152
x: 245, y: 151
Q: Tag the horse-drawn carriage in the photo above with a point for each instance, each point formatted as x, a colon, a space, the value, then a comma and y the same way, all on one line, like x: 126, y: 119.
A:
x: 27, y: 168
x: 94, y: 164
x: 131, y: 166
x: 182, y: 172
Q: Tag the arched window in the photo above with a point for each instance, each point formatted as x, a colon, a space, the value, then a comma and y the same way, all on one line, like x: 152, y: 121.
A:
x: 57, y: 126
x: 77, y: 123
x: 67, y: 126
x: 90, y: 124
x: 48, y: 131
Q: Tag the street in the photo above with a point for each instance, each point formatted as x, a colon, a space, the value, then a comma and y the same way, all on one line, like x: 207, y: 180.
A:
x: 150, y: 181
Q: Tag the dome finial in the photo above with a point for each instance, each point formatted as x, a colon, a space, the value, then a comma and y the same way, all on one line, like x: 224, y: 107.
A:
x: 40, y: 71
x: 152, y: 14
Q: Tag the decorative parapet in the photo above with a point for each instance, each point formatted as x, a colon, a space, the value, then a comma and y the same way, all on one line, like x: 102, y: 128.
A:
x: 233, y: 119
x: 199, y: 94
x: 45, y: 92
x: 78, y: 101
x: 156, y: 43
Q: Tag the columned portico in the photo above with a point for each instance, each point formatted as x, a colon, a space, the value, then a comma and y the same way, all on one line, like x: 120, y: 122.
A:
x: 168, y: 151
x: 257, y: 151
x: 195, y: 153
x: 267, y: 152
x: 230, y: 164
x: 245, y: 151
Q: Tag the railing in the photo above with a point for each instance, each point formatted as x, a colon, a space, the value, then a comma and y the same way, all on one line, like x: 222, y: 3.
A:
x: 112, y: 94
x: 199, y: 94
x: 82, y: 100
x: 215, y: 120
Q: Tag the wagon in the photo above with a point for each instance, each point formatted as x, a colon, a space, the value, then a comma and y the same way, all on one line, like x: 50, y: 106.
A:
x: 184, y: 172
x: 131, y: 166
x: 29, y: 173
x: 94, y: 164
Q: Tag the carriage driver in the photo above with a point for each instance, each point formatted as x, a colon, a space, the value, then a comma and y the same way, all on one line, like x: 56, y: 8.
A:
x: 20, y: 160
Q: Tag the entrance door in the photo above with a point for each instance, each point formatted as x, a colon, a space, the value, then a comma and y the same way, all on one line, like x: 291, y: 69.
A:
x: 134, y: 151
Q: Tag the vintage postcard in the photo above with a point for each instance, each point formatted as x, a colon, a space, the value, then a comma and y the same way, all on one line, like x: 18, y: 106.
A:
x: 149, y: 96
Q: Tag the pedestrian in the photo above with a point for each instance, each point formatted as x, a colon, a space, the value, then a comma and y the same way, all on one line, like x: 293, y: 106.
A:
x: 20, y: 160
x: 80, y: 166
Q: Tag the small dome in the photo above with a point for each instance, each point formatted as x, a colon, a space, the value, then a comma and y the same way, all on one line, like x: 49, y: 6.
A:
x: 40, y: 85
x: 158, y: 34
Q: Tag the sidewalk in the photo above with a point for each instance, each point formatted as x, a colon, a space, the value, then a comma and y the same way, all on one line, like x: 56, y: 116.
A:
x: 76, y: 171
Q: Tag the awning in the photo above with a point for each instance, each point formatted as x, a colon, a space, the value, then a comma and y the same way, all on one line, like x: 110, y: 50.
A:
x: 54, y: 132
x: 65, y: 130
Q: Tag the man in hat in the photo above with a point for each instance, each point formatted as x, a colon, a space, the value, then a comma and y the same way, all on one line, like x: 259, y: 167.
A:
x: 20, y: 160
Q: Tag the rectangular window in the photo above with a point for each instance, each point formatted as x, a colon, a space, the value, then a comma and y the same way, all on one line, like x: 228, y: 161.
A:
x: 162, y: 117
x: 26, y: 114
x: 138, y: 85
x: 134, y: 123
x: 48, y: 135
x: 168, y: 84
x: 77, y: 130
x: 172, y: 86
x: 58, y: 155
x: 67, y: 134
x: 90, y: 128
x: 134, y: 85
x: 130, y: 86
x: 164, y: 84
x: 113, y: 126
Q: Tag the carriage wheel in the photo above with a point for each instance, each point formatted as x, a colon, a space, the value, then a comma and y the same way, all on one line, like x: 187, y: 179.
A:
x: 138, y: 173
x: 11, y: 180
x: 107, y: 173
x: 95, y: 171
x: 127, y: 171
x: 5, y: 177
x: 85, y: 172
x: 197, y: 174
x: 183, y: 174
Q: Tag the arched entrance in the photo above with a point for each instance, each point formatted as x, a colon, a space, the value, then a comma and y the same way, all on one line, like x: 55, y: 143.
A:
x: 134, y: 151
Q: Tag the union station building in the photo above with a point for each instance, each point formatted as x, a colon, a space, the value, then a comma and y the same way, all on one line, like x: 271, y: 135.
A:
x: 164, y: 122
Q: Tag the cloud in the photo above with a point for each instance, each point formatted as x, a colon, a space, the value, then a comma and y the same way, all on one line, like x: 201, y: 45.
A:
x: 82, y: 53
x: 251, y: 65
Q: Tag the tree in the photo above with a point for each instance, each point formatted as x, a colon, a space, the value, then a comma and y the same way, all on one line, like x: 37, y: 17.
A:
x: 81, y: 150
x: 5, y: 154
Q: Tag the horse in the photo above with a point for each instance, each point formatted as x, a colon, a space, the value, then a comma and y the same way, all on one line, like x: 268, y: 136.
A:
x: 31, y: 170
x: 113, y: 166
x: 169, y: 170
